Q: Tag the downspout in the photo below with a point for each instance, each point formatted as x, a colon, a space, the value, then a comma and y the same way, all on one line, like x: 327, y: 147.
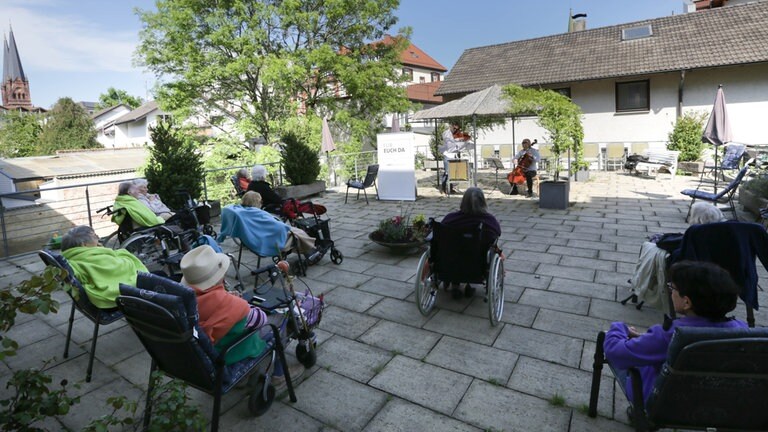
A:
x: 680, y: 92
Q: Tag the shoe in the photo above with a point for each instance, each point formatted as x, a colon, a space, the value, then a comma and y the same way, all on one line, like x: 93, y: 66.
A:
x: 469, y: 291
x: 514, y: 191
x: 456, y: 292
x: 278, y: 382
x: 529, y: 194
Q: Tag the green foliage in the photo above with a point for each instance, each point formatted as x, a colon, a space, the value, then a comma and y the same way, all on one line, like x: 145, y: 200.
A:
x: 686, y: 136
x: 19, y: 133
x: 257, y: 63
x: 402, y: 229
x: 557, y: 114
x: 114, y: 97
x: 32, y: 400
x: 174, y: 163
x: 436, y: 140
x: 557, y: 400
x: 68, y: 126
x: 172, y: 409
x: 758, y: 186
x: 300, y: 163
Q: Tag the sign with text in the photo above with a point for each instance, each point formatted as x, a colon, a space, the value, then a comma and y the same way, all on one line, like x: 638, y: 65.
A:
x: 397, y: 177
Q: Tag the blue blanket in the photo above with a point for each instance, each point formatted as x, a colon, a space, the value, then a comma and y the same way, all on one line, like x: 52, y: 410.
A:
x: 258, y: 230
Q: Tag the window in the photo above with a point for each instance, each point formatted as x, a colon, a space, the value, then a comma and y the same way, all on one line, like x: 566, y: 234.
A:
x: 435, y: 77
x: 422, y: 80
x: 565, y: 91
x: 409, y: 73
x: 633, y: 96
x: 636, y: 32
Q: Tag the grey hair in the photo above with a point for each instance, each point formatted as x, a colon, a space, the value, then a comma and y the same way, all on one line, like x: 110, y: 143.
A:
x: 703, y: 213
x: 242, y: 172
x: 259, y: 172
x: 78, y: 236
x: 251, y: 199
x: 125, y: 188
x: 473, y: 202
x: 141, y: 182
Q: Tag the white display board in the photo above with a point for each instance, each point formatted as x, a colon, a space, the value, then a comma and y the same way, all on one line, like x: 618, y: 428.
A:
x: 397, y: 176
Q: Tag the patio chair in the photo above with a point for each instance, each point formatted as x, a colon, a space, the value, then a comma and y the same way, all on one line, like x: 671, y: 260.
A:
x: 723, y: 197
x: 370, y: 180
x: 734, y: 153
x: 236, y: 184
x: 713, y: 379
x: 615, y: 156
x: 592, y: 154
x: 163, y: 314
x: 81, y: 302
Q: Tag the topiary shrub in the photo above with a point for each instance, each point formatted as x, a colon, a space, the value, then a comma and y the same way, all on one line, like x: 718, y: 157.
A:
x: 686, y: 136
x: 300, y: 163
x: 174, y: 164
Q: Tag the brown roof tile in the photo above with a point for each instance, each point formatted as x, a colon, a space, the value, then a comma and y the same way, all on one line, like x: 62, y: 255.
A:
x: 718, y: 37
x: 424, y: 92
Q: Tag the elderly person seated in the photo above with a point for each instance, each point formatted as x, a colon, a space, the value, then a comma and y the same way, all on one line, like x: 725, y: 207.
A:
x: 100, y: 270
x: 243, y: 180
x: 140, y: 214
x: 262, y: 232
x: 224, y: 316
x: 472, y: 212
x: 271, y: 201
x: 153, y: 201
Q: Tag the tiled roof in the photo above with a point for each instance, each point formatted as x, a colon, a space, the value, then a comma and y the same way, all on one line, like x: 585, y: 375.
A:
x: 414, y: 56
x: 103, y: 111
x: 424, y: 92
x: 138, y: 113
x: 724, y: 36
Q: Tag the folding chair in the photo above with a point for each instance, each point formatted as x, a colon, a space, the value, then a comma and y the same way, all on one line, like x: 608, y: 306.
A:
x: 615, y: 156
x: 236, y: 184
x: 734, y: 153
x: 163, y: 314
x: 591, y: 152
x: 370, y: 180
x: 713, y: 379
x: 724, y: 196
x: 81, y: 302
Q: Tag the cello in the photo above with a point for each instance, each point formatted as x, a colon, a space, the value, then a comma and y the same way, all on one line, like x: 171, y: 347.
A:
x: 517, y: 176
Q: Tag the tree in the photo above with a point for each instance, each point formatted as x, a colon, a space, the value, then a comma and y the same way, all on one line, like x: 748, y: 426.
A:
x: 19, y: 133
x: 260, y: 63
x: 114, y: 97
x: 686, y: 136
x: 174, y: 164
x: 301, y: 164
x: 68, y: 126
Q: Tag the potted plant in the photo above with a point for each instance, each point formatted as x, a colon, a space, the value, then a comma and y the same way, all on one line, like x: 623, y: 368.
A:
x: 561, y: 118
x: 401, y: 233
x: 686, y: 138
x: 302, y: 168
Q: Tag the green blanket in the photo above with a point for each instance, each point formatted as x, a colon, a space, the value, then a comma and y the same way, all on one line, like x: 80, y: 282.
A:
x: 140, y: 213
x: 101, y: 270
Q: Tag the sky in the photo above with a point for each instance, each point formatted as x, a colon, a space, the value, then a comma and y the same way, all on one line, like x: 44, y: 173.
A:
x: 80, y: 48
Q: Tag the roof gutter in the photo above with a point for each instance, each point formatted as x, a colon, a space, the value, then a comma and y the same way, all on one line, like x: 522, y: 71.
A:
x: 680, y: 94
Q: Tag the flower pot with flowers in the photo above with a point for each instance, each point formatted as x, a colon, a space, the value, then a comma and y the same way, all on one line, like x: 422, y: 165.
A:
x: 401, y: 232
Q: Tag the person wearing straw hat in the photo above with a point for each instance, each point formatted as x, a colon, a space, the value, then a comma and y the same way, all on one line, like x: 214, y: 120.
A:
x: 224, y: 316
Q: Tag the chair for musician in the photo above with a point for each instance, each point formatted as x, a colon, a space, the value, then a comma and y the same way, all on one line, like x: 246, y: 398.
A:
x: 80, y: 302
x: 370, y: 180
x: 461, y: 255
x: 163, y: 314
x: 725, y: 196
x: 734, y: 246
x: 712, y: 379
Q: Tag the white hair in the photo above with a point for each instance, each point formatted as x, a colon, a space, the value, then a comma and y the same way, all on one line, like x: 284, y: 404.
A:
x: 703, y: 213
x: 141, y: 182
x: 258, y: 172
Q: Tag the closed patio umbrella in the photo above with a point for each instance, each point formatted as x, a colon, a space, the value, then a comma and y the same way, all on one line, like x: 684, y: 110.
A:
x: 327, y: 145
x: 718, y: 130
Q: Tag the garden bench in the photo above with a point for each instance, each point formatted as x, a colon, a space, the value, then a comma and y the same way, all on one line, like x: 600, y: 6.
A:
x: 658, y: 159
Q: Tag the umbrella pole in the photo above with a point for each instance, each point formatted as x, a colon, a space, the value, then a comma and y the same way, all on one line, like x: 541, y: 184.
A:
x: 474, y: 145
x: 716, y: 166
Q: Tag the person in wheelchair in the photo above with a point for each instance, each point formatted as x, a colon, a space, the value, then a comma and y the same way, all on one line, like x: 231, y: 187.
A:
x: 472, y: 212
x: 224, y: 315
x: 307, y: 244
x: 271, y: 201
x: 141, y: 215
x: 100, y: 270
x: 702, y: 292
x: 153, y: 201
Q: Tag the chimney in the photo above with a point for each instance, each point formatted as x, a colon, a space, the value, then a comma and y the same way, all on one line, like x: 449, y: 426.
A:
x: 577, y: 22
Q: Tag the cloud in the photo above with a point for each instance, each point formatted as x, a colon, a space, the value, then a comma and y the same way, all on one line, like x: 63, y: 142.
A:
x: 52, y: 40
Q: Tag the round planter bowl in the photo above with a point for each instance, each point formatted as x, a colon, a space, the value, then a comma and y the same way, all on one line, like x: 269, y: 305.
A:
x: 397, y: 246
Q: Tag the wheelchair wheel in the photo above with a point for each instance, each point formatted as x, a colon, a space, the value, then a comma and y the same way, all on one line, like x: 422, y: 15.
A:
x: 336, y: 256
x: 261, y: 398
x: 426, y: 285
x: 146, y: 249
x: 495, y: 289
x: 306, y: 353
x: 111, y: 241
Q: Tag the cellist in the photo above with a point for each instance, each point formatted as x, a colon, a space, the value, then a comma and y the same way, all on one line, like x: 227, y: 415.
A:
x: 528, y: 160
x: 453, y: 143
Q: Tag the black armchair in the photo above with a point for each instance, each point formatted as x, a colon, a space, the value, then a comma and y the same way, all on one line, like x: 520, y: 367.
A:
x: 370, y: 180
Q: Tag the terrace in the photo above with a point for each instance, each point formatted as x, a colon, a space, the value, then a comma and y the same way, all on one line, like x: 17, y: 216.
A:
x: 382, y: 366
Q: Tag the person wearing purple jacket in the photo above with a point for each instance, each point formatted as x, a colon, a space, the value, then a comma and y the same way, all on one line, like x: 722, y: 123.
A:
x: 702, y: 293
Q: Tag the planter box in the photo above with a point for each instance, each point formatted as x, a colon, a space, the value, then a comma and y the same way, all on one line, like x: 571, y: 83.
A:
x: 691, y: 167
x: 301, y: 191
x: 554, y: 195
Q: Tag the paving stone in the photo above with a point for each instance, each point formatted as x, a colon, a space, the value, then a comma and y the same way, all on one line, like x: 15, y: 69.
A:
x: 398, y: 338
x: 352, y: 299
x: 463, y: 327
x: 344, y: 278
x: 525, y: 278
x: 569, y: 251
x: 541, y: 345
x: 569, y: 324
x: 402, y: 416
x: 346, y: 323
x: 615, y: 311
x: 585, y: 289
x: 398, y: 311
x: 597, y: 264
x: 479, y: 361
x: 31, y: 331
x: 422, y: 383
x: 388, y: 287
x: 553, y: 300
x: 96, y: 399
x: 391, y: 272
x: 282, y: 416
x: 583, y: 274
x: 135, y: 369
x: 581, y: 233
x: 354, y: 360
x: 534, y: 257
x: 597, y: 245
x: 513, y: 313
x: 545, y: 379
x: 497, y: 408
x: 580, y: 422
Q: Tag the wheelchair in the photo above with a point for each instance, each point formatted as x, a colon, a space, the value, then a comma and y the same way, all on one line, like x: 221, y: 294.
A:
x: 461, y: 255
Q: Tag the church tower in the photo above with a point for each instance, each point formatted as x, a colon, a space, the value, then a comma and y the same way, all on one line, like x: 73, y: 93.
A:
x: 15, y: 86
